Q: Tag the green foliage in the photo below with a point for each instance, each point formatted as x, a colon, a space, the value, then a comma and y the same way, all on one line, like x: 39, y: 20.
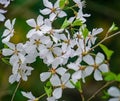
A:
x: 107, y: 51
x: 113, y: 28
x: 109, y: 76
x: 77, y: 22
x: 63, y: 3
x: 65, y: 24
x: 48, y: 89
x: 85, y: 32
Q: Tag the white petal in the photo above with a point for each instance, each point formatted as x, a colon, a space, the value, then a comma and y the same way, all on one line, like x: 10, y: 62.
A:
x: 39, y: 20
x: 103, y: 68
x: 31, y: 22
x: 47, y: 4
x: 5, y: 33
x: 57, y: 93
x: 2, y: 17
x: 114, y: 91
x: 51, y: 99
x: 77, y: 75
x: 73, y: 66
x: 55, y: 80
x: 7, y: 52
x: 44, y: 76
x: 8, y: 24
x: 61, y: 70
x: 65, y: 77
x: 30, y: 33
x: 52, y: 16
x: 45, y: 11
x: 28, y: 95
x: 62, y: 14
x: 69, y: 85
x: 88, y: 70
x: 99, y: 58
x: 88, y: 59
x: 97, y: 75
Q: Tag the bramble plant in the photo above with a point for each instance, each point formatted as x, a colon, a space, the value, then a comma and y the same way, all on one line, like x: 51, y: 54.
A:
x: 57, y: 47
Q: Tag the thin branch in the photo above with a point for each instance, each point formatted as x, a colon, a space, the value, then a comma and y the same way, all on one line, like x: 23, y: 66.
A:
x: 106, y: 38
x: 104, y: 86
x: 15, y: 90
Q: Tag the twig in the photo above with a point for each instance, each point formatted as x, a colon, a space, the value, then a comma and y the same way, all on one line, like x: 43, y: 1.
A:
x: 104, y: 86
x: 104, y: 40
x: 15, y: 91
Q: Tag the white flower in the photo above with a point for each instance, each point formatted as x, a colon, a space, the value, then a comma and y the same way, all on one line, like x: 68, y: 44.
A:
x: 53, y: 10
x: 49, y: 52
x: 92, y: 36
x: 9, y: 32
x: 97, y: 64
x: 79, y: 3
x: 38, y: 26
x: 80, y: 71
x: 30, y: 96
x: 20, y: 71
x: 2, y: 17
x: 81, y: 16
x: 60, y: 84
x: 15, y: 51
x: 115, y: 93
x: 52, y: 72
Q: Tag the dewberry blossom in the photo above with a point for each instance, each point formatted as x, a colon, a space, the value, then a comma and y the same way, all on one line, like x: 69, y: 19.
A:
x: 53, y: 71
x: 92, y: 36
x: 20, y: 71
x: 81, y: 71
x: 30, y: 96
x: 79, y: 3
x: 49, y: 52
x: 98, y: 65
x: 9, y: 32
x: 39, y: 26
x: 15, y: 51
x: 115, y: 93
x: 60, y: 84
x: 53, y: 10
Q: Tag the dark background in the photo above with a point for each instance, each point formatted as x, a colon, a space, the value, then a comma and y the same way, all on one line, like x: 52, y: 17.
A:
x: 103, y: 14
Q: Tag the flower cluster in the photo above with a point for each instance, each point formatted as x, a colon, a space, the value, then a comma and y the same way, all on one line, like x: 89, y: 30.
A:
x: 56, y: 47
x: 5, y: 3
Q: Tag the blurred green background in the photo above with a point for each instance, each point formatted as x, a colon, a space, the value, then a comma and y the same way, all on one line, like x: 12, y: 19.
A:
x: 103, y: 14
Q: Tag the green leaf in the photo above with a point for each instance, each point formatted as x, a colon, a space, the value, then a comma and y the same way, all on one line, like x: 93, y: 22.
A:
x: 109, y: 76
x: 118, y: 78
x: 107, y: 51
x: 48, y: 91
x: 65, y: 24
x: 6, y: 61
x: 85, y: 32
x: 113, y: 28
x: 77, y: 22
x: 63, y: 3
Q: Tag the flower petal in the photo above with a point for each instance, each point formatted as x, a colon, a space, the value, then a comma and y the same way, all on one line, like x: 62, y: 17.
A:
x: 88, y: 59
x: 103, y: 68
x: 99, y: 58
x: 114, y: 91
x: 57, y: 93
x: 98, y: 75
x: 44, y: 76
x: 45, y: 11
x: 31, y: 22
x: 55, y: 80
